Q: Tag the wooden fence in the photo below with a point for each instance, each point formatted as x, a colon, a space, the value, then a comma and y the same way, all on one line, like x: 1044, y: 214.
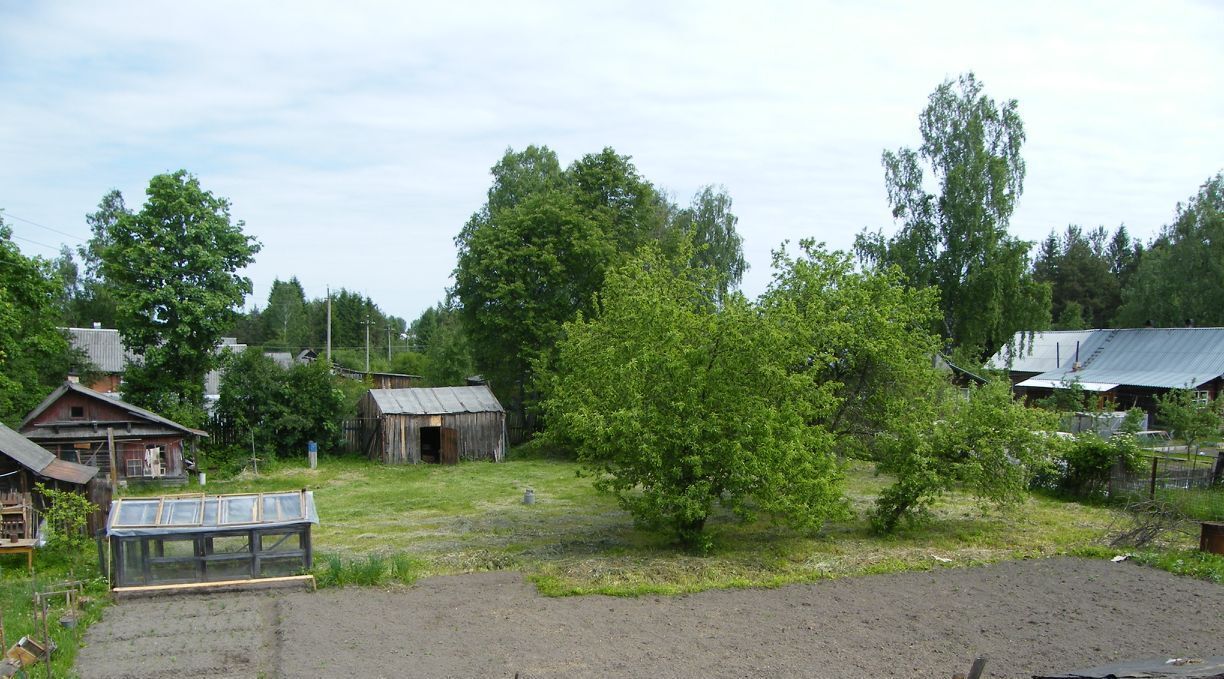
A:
x: 360, y: 435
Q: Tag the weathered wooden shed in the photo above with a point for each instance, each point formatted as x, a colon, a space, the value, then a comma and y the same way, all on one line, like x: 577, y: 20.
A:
x: 84, y: 426
x: 438, y: 425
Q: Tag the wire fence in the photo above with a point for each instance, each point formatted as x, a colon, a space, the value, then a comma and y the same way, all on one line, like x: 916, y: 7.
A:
x: 1166, y: 472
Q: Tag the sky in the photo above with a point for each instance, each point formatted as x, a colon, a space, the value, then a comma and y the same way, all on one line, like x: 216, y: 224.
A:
x: 354, y: 139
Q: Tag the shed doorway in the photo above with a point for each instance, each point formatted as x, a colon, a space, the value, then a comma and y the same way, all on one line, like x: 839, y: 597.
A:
x: 439, y: 445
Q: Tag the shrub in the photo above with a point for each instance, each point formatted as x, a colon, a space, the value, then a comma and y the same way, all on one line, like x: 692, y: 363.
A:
x: 1088, y: 461
x: 66, y: 515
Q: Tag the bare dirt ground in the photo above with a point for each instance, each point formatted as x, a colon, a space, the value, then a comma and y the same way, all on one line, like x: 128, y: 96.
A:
x: 1027, y: 617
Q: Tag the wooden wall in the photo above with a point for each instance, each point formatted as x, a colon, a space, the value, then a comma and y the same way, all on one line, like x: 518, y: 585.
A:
x: 481, y: 436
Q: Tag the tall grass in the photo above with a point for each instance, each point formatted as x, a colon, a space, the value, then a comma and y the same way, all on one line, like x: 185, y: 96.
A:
x: 334, y: 570
x: 1198, y: 504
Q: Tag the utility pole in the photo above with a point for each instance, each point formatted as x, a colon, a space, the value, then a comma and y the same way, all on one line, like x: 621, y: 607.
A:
x: 329, y: 327
x: 388, y: 343
x: 367, y: 325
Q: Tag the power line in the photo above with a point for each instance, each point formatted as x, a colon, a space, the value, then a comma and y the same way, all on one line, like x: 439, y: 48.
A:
x: 30, y: 240
x: 43, y: 226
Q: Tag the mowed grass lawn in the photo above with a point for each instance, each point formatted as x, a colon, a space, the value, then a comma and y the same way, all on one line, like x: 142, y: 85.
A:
x: 573, y: 539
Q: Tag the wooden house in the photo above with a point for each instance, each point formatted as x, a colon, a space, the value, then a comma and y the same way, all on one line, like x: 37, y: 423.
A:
x: 83, y: 426
x: 103, y: 348
x: 24, y: 463
x: 439, y: 425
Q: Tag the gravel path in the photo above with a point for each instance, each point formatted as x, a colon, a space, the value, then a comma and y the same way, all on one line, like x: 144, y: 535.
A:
x: 1025, y: 616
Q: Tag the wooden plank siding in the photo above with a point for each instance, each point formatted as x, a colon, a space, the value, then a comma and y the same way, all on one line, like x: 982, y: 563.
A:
x: 480, y: 436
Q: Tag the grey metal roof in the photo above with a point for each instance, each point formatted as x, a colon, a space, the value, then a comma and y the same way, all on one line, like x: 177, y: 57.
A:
x: 103, y: 346
x: 131, y: 409
x: 40, y: 460
x: 282, y: 358
x: 1045, y: 351
x: 436, y: 400
x: 1165, y: 358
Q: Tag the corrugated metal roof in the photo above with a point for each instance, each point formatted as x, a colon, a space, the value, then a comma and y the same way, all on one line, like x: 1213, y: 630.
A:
x: 1166, y: 358
x: 103, y: 346
x: 436, y: 401
x: 1045, y: 351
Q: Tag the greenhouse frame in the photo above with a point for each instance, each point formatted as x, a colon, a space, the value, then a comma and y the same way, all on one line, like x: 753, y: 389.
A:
x: 187, y: 539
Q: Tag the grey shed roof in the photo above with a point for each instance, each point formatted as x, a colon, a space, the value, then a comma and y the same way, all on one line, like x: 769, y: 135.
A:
x: 1045, y: 351
x: 103, y: 346
x: 1166, y: 358
x: 40, y: 460
x: 436, y: 401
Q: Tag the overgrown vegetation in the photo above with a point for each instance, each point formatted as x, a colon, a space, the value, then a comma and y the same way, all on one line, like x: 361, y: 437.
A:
x: 1085, y: 463
x: 280, y: 409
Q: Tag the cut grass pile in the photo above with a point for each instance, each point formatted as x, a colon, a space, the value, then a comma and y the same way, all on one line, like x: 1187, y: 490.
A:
x: 383, y: 524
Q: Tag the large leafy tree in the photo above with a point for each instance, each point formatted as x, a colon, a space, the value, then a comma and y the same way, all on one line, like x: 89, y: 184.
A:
x: 677, y: 404
x: 34, y: 355
x: 1181, y: 276
x: 172, y: 269
x: 867, y: 338
x: 535, y: 254
x: 279, y: 409
x: 957, y: 240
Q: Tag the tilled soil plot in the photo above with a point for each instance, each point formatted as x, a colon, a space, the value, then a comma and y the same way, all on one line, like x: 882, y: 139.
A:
x: 1026, y: 617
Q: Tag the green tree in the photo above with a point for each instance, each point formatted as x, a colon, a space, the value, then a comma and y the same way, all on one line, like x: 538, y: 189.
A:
x: 1191, y: 419
x: 1079, y: 267
x: 957, y: 241
x: 867, y: 340
x: 448, y: 355
x: 709, y: 225
x: 676, y: 405
x: 173, y: 269
x: 285, y: 317
x: 34, y: 355
x: 279, y: 409
x: 988, y: 444
x: 67, y: 514
x: 1181, y: 276
x: 536, y: 253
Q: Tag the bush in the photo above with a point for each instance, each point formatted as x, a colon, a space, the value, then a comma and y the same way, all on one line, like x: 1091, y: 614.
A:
x: 66, y: 515
x: 1089, y: 460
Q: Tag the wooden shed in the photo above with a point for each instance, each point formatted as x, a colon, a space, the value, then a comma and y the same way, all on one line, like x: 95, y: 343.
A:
x: 24, y: 463
x: 438, y: 425
x: 84, y: 426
